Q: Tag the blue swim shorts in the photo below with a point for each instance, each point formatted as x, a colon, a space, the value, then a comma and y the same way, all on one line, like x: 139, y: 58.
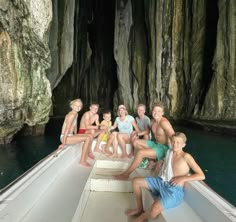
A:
x: 160, y: 149
x: 170, y: 196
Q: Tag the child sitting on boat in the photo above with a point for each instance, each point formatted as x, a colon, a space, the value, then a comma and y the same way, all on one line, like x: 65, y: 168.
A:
x: 125, y: 124
x: 162, y: 131
x: 105, y: 124
x: 167, y: 188
x: 143, y: 123
x: 69, y: 132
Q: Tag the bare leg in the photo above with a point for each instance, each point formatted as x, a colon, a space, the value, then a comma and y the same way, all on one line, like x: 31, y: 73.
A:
x: 151, y: 213
x: 87, y: 139
x: 122, y: 144
x: 137, y: 183
x: 140, y: 144
x: 90, y: 152
x: 99, y: 140
x: 149, y: 153
x: 156, y: 208
x: 84, y: 153
x: 131, y: 151
x: 108, y: 144
x: 115, y: 146
x: 122, y: 140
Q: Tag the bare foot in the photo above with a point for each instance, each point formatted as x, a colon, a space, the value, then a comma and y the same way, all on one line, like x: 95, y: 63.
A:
x: 123, y: 156
x: 114, y: 155
x: 122, y: 176
x: 97, y: 150
x: 132, y: 212
x: 60, y: 147
x: 108, y: 152
x: 130, y: 155
x: 139, y: 219
x: 85, y: 164
x: 91, y: 156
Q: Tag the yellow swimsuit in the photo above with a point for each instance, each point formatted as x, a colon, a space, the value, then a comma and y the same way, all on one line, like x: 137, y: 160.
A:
x: 105, y: 135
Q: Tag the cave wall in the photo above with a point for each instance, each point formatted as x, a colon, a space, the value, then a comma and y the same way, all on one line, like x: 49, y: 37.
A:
x: 61, y: 40
x: 220, y: 102
x: 92, y: 75
x: 120, y: 51
x: 25, y: 93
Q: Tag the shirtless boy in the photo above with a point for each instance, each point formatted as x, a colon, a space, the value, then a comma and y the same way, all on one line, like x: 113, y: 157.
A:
x: 167, y: 189
x: 69, y: 132
x: 89, y: 124
x: 162, y: 132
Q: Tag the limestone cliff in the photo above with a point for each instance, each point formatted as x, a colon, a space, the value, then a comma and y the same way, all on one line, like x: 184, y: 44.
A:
x: 25, y: 93
x: 119, y: 51
x: 220, y: 102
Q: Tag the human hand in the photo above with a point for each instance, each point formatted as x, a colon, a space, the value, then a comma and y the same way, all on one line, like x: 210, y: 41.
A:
x: 60, y: 147
x: 158, y: 166
x: 177, y: 181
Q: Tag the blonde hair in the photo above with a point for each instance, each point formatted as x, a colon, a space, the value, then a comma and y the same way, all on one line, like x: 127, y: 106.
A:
x: 181, y: 135
x: 158, y: 104
x: 122, y: 107
x: 76, y: 100
x: 94, y: 104
x: 141, y: 105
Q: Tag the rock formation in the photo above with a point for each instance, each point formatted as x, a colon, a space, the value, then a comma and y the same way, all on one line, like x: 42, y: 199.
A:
x: 119, y: 51
x: 25, y: 96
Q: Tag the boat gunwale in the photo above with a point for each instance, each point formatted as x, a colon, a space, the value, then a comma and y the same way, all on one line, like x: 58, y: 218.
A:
x: 26, y: 173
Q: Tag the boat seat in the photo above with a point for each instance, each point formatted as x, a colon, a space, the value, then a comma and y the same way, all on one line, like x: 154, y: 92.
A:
x: 128, y: 147
x: 183, y: 212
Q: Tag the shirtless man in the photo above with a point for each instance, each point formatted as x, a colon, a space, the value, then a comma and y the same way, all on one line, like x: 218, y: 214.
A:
x: 167, y: 189
x: 89, y: 124
x: 162, y: 132
x: 69, y: 132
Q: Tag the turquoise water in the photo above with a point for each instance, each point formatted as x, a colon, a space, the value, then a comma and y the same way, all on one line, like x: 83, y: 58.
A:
x: 215, y: 153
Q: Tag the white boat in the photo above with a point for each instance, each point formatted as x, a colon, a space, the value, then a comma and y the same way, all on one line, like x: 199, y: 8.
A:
x: 58, y: 189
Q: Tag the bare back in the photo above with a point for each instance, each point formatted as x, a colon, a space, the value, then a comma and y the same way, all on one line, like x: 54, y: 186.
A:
x: 70, y: 123
x: 162, y: 130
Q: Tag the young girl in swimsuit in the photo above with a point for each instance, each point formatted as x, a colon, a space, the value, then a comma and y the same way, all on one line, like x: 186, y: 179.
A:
x: 69, y: 132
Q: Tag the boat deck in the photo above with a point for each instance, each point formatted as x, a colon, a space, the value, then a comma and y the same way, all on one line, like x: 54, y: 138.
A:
x: 105, y: 199
x: 63, y: 191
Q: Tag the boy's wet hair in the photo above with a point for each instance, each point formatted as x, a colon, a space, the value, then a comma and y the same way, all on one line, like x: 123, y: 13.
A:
x: 158, y: 104
x: 181, y: 135
x: 76, y: 100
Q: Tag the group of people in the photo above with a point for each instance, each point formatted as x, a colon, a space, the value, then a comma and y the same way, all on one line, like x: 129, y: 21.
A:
x: 155, y: 141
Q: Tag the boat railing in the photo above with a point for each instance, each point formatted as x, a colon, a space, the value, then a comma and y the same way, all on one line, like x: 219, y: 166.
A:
x: 55, y: 153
